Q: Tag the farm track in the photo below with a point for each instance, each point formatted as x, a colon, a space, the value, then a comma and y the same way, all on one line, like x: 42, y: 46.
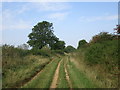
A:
x: 56, y: 75
x: 71, y: 73
x: 67, y: 74
x: 45, y: 77
x: 26, y: 81
x: 68, y: 78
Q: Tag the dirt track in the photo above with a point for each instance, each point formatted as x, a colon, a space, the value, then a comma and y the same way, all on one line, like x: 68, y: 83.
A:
x: 55, y: 78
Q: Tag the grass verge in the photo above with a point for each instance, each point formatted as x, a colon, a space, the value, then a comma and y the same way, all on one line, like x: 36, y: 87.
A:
x: 62, y: 82
x: 44, y: 79
x: 16, y: 74
x: 78, y: 79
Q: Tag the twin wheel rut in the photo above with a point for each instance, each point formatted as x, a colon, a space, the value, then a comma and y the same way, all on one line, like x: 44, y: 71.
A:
x: 55, y: 80
x: 56, y: 76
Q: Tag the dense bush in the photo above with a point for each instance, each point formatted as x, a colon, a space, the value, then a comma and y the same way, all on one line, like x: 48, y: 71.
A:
x: 12, y: 52
x: 103, y: 53
x: 82, y: 43
x: 12, y: 56
x: 59, y: 45
x: 103, y: 36
x: 18, y: 65
x: 60, y: 52
x: 69, y: 49
x: 41, y: 52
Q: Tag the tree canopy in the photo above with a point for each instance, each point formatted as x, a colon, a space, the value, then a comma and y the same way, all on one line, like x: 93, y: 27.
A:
x: 41, y: 35
x: 69, y: 49
x: 81, y: 43
x: 59, y: 45
x: 102, y: 36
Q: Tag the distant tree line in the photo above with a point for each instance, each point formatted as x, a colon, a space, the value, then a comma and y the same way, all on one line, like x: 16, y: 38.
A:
x: 42, y: 36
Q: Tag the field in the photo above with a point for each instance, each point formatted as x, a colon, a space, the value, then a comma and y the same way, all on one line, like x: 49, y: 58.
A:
x: 94, y: 65
x: 77, y: 79
x: 59, y: 45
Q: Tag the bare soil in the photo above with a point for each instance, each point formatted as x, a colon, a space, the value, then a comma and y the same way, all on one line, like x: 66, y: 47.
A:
x: 55, y: 78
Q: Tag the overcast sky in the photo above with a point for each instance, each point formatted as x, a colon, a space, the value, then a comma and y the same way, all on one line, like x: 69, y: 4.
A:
x: 72, y: 21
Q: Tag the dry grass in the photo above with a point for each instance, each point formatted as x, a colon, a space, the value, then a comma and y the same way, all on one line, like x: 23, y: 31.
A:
x: 25, y: 70
x: 78, y: 78
x: 95, y: 73
x: 44, y: 78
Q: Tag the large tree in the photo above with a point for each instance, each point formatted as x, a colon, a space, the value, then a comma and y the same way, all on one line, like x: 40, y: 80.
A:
x: 41, y: 35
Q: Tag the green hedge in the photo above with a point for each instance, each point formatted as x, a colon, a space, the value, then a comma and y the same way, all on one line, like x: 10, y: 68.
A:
x: 104, y: 52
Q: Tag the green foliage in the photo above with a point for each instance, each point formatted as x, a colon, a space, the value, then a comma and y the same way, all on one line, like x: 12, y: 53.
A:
x: 60, y: 52
x: 59, y: 45
x: 23, y: 46
x: 18, y: 71
x: 12, y: 52
x: 103, y: 49
x: 42, y: 34
x: 103, y: 53
x: 44, y: 79
x: 42, y: 52
x: 18, y: 65
x: 78, y: 78
x: 69, y: 49
x: 102, y: 36
x: 62, y: 81
x: 81, y: 43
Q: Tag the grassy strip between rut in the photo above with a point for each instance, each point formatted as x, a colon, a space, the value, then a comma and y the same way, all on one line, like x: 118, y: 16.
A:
x: 62, y: 82
x: 78, y: 79
x: 44, y: 78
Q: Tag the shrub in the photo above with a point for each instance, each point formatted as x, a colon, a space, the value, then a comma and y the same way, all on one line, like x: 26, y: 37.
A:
x: 102, y: 36
x: 82, y: 43
x: 60, y: 52
x: 44, y: 53
x: 103, y: 53
x: 12, y: 52
x: 69, y: 49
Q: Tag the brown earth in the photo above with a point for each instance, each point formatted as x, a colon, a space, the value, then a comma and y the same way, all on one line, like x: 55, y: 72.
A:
x: 55, y: 78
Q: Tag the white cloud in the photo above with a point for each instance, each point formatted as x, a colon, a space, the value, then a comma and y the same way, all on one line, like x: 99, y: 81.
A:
x: 20, y: 25
x: 23, y: 9
x: 50, y: 6
x: 58, y: 15
x: 43, y: 6
x: 10, y: 22
x: 98, y: 18
x: 114, y: 17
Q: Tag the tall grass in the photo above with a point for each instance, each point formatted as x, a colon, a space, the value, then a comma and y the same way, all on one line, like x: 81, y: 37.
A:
x: 100, y: 62
x: 16, y: 74
x: 44, y: 79
x: 62, y: 82
x: 19, y: 65
x: 78, y: 78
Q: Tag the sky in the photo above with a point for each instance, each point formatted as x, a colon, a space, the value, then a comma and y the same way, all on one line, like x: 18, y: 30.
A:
x: 72, y: 21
